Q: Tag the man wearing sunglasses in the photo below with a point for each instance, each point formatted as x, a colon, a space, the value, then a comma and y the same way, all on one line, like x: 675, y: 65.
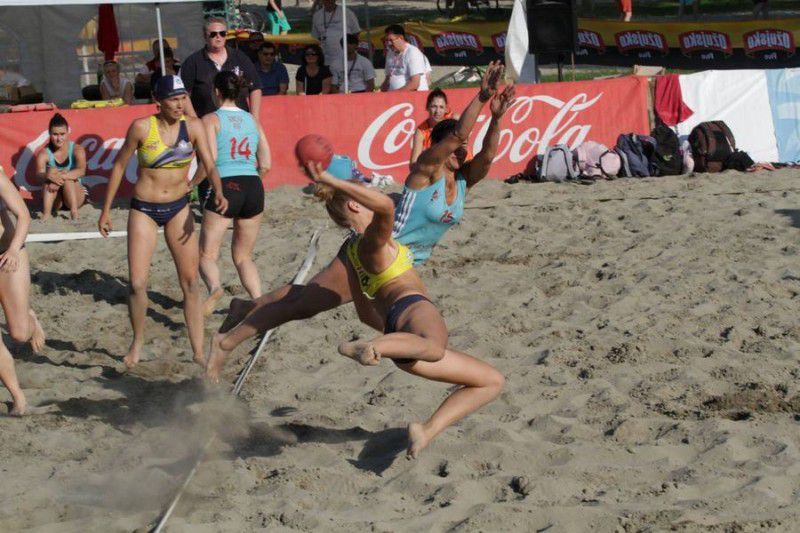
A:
x: 199, y: 69
x: 273, y: 74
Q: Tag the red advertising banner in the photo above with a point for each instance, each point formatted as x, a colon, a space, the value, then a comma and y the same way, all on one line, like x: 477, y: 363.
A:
x: 376, y: 129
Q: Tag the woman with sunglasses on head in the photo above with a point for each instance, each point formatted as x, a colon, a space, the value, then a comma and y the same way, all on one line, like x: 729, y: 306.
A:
x: 166, y: 143
x: 15, y: 284
x: 241, y: 153
x: 313, y: 77
x: 440, y: 181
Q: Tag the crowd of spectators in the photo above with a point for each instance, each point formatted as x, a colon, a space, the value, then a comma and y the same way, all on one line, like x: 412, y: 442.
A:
x: 321, y: 70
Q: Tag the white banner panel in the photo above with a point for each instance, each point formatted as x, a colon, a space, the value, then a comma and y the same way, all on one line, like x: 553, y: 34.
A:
x: 741, y: 99
x: 15, y: 3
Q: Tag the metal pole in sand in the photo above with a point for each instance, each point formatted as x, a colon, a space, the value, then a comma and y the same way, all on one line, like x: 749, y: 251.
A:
x: 299, y: 278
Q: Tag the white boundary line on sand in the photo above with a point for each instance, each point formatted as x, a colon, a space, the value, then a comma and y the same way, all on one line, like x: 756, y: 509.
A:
x: 73, y: 236
x: 299, y: 278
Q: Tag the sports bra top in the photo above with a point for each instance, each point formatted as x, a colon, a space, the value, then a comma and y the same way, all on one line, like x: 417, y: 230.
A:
x: 153, y: 153
x: 370, y: 283
x: 69, y: 164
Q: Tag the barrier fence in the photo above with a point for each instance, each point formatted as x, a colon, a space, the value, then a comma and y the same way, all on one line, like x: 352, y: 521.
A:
x: 696, y: 45
x: 375, y: 129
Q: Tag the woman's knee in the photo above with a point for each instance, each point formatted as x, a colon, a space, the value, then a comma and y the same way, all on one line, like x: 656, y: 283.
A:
x: 495, y: 380
x: 138, y: 287
x: 437, y: 351
x: 20, y: 330
x: 190, y: 281
x: 241, y: 258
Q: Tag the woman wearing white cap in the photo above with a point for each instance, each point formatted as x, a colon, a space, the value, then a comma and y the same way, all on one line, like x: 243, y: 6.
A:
x: 165, y: 143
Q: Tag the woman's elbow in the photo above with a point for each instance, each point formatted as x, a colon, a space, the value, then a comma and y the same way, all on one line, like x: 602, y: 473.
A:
x: 386, y: 206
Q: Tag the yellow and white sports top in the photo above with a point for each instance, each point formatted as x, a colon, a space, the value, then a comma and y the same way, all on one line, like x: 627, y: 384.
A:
x: 153, y: 153
x: 370, y: 283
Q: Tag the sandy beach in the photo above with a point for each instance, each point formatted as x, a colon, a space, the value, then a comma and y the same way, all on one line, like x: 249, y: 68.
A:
x: 647, y: 330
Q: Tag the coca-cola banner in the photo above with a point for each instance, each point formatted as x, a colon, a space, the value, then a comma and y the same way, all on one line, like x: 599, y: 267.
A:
x: 692, y: 44
x: 376, y: 129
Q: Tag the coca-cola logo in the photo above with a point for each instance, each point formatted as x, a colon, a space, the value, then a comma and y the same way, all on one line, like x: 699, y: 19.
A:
x: 519, y: 142
x: 457, y: 41
x: 592, y: 40
x: 769, y: 44
x: 703, y: 43
x: 640, y: 42
x: 100, y: 157
x: 499, y: 42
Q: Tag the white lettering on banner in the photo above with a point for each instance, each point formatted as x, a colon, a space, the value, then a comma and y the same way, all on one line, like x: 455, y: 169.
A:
x: 26, y: 159
x: 770, y: 38
x: 445, y: 41
x: 517, y: 147
x: 406, y: 125
x: 705, y: 39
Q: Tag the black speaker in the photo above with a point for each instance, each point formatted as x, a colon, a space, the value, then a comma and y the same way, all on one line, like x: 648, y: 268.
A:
x: 552, y: 26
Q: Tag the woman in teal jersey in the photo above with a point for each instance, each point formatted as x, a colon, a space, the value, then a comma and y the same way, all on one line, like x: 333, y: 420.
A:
x: 329, y: 288
x: 60, y: 167
x: 242, y: 156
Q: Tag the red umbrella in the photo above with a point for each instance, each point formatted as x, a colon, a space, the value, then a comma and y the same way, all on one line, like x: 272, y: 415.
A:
x: 107, y: 36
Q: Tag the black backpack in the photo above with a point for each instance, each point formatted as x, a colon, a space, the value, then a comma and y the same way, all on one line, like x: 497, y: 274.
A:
x: 666, y: 158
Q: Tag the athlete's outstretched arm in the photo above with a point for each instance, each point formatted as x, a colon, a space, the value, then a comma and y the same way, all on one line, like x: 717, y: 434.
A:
x: 431, y: 159
x: 379, y: 231
x: 478, y: 168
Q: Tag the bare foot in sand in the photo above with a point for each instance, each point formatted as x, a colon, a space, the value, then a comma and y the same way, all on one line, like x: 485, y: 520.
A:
x: 237, y: 311
x: 216, y: 358
x: 20, y: 408
x: 211, y: 302
x: 363, y: 352
x: 38, y: 338
x: 200, y: 359
x: 134, y: 354
x: 26, y: 410
x: 418, y: 440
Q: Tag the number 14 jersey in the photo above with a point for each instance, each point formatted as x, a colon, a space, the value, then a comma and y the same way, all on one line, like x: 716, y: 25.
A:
x: 237, y: 142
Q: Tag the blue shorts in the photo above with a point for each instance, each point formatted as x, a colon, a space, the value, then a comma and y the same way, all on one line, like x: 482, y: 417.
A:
x: 393, y: 315
x: 161, y: 213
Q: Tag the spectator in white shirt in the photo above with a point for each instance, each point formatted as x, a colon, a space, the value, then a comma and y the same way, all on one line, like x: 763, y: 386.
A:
x: 405, y: 64
x: 360, y: 72
x: 326, y: 26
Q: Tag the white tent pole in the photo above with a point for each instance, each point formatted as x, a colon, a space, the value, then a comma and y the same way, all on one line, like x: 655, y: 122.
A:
x: 369, y: 33
x: 344, y: 44
x: 160, y: 41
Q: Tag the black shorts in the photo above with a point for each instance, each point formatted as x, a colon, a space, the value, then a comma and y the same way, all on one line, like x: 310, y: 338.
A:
x: 245, y: 195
